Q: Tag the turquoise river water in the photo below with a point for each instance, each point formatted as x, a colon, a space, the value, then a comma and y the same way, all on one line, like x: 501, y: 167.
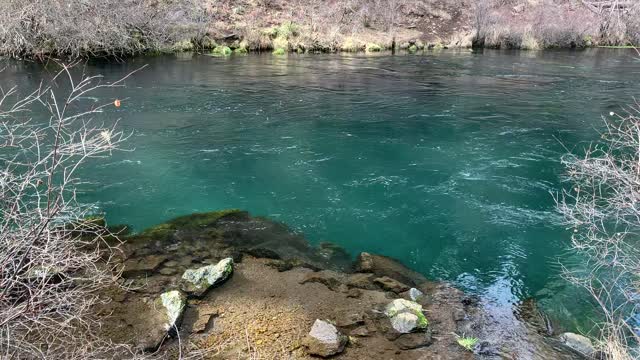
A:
x: 446, y: 161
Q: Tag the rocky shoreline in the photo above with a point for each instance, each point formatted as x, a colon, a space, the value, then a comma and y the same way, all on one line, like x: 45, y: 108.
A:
x: 227, y: 285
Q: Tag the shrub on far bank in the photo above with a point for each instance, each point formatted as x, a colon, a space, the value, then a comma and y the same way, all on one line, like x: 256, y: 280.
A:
x: 99, y: 28
x: 371, y: 47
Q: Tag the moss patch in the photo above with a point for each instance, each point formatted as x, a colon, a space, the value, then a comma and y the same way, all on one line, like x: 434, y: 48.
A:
x: 193, y: 221
x: 422, y: 320
x: 221, y: 51
x: 279, y: 51
x: 371, y: 47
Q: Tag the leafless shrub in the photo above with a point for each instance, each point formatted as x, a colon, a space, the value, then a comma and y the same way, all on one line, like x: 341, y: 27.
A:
x: 602, y: 207
x: 544, y: 25
x: 53, y: 261
x: 97, y: 28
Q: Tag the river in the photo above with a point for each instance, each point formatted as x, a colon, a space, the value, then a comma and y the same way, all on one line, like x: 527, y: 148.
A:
x: 445, y: 160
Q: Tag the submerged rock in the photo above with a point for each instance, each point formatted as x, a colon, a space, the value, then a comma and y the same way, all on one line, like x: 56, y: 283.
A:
x: 578, y: 343
x: 406, y: 316
x: 196, y: 282
x: 324, y: 339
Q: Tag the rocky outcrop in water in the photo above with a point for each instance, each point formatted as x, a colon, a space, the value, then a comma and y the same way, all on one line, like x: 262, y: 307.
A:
x: 282, y: 286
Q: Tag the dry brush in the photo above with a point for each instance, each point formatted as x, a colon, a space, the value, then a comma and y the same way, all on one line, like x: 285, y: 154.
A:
x: 53, y: 260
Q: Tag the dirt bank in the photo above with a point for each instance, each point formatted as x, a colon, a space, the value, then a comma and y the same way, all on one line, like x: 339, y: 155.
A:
x: 281, y: 286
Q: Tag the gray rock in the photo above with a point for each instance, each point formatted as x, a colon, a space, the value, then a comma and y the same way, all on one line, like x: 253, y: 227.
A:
x: 196, y: 282
x: 406, y: 316
x: 324, y: 339
x: 173, y: 303
x: 578, y: 343
x: 415, y: 294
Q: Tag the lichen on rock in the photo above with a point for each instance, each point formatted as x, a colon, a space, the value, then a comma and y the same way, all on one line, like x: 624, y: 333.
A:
x: 174, y: 302
x: 197, y: 281
x: 406, y: 316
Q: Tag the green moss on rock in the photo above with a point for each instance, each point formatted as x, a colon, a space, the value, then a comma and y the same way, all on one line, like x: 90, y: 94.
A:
x: 371, y: 47
x: 196, y: 220
x: 406, y: 316
x: 279, y: 51
x: 193, y: 221
x: 221, y: 50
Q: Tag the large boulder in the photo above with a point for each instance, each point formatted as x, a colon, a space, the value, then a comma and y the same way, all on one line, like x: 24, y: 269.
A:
x: 196, y: 282
x: 324, y: 339
x: 578, y: 343
x: 406, y: 316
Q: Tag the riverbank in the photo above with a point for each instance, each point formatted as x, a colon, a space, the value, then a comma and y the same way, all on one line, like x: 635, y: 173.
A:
x: 118, y: 29
x: 267, y: 293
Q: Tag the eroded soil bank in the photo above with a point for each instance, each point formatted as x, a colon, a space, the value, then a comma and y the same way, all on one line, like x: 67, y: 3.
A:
x: 279, y: 289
